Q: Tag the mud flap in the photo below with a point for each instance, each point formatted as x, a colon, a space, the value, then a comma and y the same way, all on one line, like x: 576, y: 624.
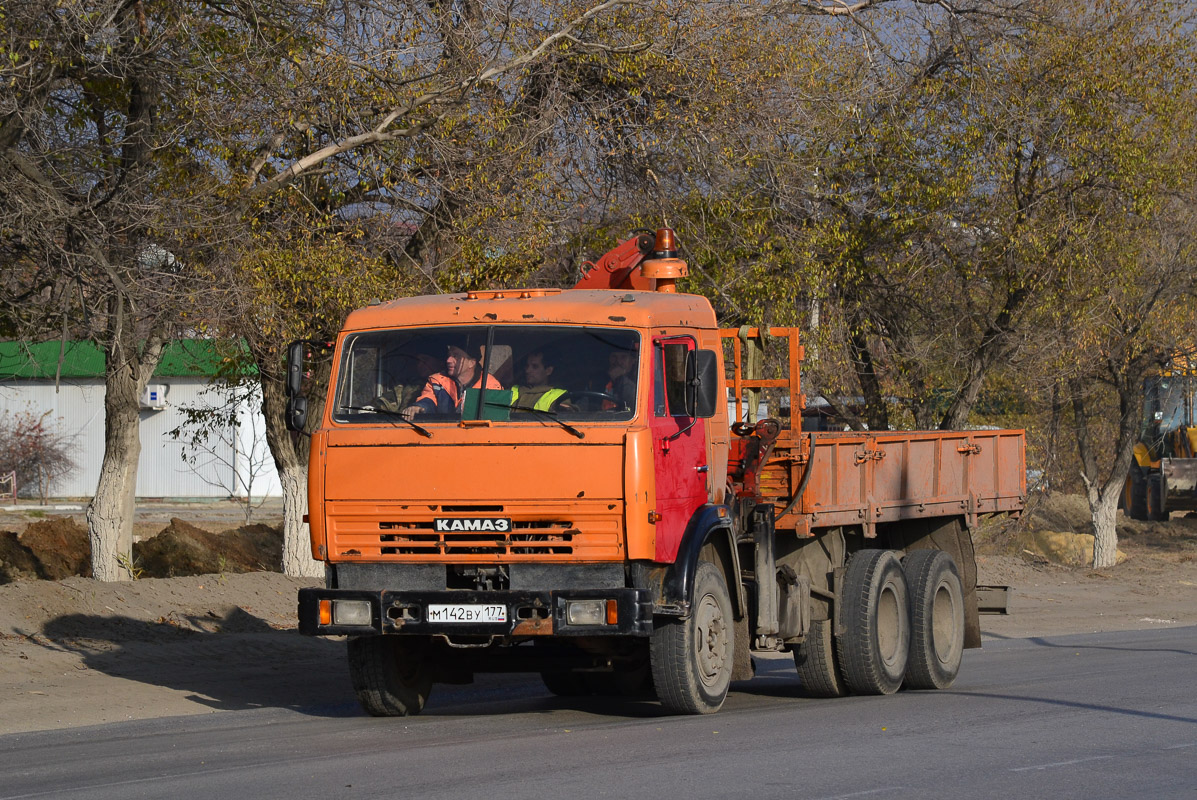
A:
x: 743, y: 669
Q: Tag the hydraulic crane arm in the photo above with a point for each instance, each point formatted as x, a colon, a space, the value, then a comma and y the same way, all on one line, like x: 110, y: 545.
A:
x: 643, y: 262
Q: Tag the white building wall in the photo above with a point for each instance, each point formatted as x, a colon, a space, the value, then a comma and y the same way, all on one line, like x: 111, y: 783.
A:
x: 77, y: 408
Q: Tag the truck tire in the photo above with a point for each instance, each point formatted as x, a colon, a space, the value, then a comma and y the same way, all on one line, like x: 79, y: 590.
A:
x: 1157, y: 492
x: 390, y: 675
x: 1135, y: 500
x: 936, y: 620
x: 875, y: 611
x: 692, y: 658
x: 816, y: 663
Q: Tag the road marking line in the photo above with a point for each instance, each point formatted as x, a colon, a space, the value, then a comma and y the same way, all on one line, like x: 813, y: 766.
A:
x: 1060, y: 763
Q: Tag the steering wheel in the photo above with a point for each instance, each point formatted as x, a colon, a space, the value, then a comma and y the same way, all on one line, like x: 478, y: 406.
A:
x: 590, y: 397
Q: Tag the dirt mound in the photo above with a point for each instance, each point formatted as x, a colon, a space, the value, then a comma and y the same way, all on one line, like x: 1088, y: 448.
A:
x: 60, y: 547
x: 16, y: 561
x: 183, y: 549
x: 53, y: 549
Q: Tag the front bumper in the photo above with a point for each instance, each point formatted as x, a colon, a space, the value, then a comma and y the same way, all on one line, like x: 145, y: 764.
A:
x: 529, y: 613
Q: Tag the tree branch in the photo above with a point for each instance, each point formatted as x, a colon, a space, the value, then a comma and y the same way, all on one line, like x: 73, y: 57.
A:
x: 453, y: 94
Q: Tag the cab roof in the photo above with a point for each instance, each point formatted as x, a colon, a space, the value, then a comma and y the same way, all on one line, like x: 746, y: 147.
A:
x: 617, y: 308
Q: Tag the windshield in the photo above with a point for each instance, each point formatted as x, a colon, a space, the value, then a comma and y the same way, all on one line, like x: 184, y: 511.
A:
x: 1170, y: 401
x: 431, y: 375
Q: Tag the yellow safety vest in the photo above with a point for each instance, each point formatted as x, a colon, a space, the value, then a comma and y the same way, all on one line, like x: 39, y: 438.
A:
x: 543, y: 403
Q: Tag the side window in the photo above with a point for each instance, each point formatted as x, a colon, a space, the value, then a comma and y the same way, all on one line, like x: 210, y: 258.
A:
x: 363, y: 366
x: 670, y: 376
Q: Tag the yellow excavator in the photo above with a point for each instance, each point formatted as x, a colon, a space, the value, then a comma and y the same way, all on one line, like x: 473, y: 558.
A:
x: 1163, y: 475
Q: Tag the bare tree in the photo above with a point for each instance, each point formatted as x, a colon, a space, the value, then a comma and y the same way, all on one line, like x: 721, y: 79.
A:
x: 224, y: 446
x: 35, y: 450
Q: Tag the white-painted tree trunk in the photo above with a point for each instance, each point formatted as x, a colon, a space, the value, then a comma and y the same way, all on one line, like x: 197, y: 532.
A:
x: 111, y: 511
x: 290, y: 458
x: 297, y: 547
x: 1103, y: 508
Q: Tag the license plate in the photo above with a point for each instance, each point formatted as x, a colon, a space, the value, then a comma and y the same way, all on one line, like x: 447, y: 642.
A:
x: 467, y: 613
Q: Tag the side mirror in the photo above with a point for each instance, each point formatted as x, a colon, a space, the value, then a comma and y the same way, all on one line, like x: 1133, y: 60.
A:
x: 702, y: 383
x: 295, y: 354
x: 297, y: 413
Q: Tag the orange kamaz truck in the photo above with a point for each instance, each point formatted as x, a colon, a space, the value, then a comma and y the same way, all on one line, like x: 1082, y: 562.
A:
x: 569, y: 482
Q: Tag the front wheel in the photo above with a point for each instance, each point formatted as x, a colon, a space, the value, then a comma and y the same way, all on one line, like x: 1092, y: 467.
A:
x: 692, y: 658
x: 390, y: 674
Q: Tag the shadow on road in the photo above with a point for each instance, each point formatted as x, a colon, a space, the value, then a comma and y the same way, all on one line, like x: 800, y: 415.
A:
x: 239, y: 662
x: 234, y: 662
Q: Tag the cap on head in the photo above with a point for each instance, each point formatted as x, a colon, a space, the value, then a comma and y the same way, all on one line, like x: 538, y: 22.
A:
x: 470, y: 345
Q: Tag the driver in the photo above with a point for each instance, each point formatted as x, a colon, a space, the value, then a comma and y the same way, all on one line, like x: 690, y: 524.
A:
x: 621, y: 372
x: 445, y: 391
x: 536, y: 392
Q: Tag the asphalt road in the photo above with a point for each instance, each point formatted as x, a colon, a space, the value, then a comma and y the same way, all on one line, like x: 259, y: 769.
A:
x: 1095, y: 716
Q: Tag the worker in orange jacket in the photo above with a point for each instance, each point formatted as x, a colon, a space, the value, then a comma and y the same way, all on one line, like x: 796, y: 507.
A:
x: 445, y: 391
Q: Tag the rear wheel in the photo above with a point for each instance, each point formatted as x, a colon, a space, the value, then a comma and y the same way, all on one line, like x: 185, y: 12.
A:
x: 816, y: 663
x: 390, y: 674
x: 936, y: 620
x: 1157, y: 490
x: 1135, y: 500
x: 876, y: 643
x: 692, y: 658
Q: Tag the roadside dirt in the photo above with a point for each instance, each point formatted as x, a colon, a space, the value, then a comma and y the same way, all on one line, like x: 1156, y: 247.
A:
x: 76, y: 652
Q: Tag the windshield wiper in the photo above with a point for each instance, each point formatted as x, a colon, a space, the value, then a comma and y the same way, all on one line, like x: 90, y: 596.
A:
x: 550, y: 415
x: 393, y: 415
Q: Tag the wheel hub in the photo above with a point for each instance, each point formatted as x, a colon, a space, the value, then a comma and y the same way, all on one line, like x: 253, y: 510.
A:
x: 710, y: 640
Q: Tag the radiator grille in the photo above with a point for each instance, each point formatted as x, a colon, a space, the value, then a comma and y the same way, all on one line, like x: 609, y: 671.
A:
x: 540, y: 531
x: 525, y: 538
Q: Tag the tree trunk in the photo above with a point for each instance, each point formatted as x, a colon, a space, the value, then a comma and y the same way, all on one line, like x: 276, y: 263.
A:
x: 1103, y: 486
x: 876, y: 413
x: 290, y: 457
x: 996, y: 344
x: 1103, y: 506
x: 111, y: 511
x: 297, y: 547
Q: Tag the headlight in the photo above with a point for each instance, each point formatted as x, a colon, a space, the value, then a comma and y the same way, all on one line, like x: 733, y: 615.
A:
x: 591, y: 612
x: 351, y: 612
x: 586, y: 612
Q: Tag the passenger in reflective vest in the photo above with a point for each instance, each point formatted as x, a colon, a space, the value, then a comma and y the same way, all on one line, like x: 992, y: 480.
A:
x: 445, y: 391
x: 536, y: 392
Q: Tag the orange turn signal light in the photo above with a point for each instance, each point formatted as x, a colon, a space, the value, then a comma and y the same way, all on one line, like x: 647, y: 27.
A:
x: 326, y: 612
x: 612, y: 612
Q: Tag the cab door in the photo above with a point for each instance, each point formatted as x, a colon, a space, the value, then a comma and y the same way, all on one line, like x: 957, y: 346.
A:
x: 679, y: 445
